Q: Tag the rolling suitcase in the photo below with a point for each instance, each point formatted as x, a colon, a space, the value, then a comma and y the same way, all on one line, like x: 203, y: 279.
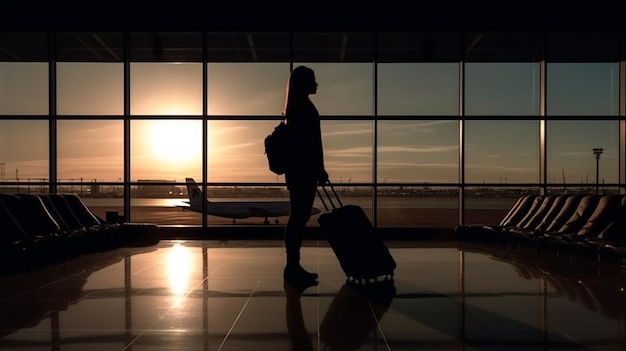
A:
x: 361, y: 252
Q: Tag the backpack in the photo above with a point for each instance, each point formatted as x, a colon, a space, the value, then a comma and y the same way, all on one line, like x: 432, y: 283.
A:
x: 277, y: 148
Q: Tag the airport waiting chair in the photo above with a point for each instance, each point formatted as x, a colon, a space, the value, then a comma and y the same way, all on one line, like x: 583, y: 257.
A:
x: 610, y: 243
x: 12, y: 242
x: 62, y: 212
x: 607, y: 210
x: 560, y: 238
x: 483, y: 232
x: 136, y: 234
x: 517, y: 215
x: 547, y: 204
x: 38, y: 221
x: 102, y: 235
x: 561, y: 209
x: 83, y: 239
x: 40, y: 230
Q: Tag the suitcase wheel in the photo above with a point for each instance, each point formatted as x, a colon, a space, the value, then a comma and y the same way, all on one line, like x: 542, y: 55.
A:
x: 363, y: 281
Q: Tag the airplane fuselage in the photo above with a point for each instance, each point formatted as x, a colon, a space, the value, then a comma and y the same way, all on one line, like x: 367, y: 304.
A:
x: 235, y: 209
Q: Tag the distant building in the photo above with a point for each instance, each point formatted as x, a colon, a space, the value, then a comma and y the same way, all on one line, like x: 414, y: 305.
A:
x: 155, y: 188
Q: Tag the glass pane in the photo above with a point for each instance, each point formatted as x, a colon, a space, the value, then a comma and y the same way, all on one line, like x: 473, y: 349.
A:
x: 166, y: 89
x: 90, y: 47
x: 24, y: 150
x: 509, y: 89
x: 583, y: 47
x: 418, y: 89
x: 236, y: 151
x: 420, y: 206
x: 162, y: 204
x: 344, y: 89
x: 418, y: 151
x: 583, y: 89
x: 502, y: 152
x: 419, y: 47
x: 348, y: 150
x: 90, y: 88
x: 23, y: 88
x: 23, y: 46
x: 503, y: 47
x: 166, y: 46
x: 247, y: 89
x: 248, y: 47
x: 333, y: 47
x: 90, y: 150
x: 570, y: 156
x: 166, y: 150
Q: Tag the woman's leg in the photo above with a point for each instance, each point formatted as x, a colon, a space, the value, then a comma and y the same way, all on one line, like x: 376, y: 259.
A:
x: 301, y: 197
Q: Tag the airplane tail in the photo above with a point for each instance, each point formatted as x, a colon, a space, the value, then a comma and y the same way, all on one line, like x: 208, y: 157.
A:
x: 195, y: 194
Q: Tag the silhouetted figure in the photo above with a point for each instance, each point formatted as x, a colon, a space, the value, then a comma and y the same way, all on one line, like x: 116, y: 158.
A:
x: 306, y: 170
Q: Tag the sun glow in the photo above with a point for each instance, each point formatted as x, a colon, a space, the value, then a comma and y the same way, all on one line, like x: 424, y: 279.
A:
x: 179, y: 270
x: 175, y: 141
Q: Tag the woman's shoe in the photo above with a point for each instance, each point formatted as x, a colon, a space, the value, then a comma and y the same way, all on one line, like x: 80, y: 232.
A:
x: 297, y: 273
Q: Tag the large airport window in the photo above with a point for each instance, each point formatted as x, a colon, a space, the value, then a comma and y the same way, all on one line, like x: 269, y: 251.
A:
x: 166, y: 89
x: 23, y: 88
x: 345, y: 89
x: 24, y: 149
x: 501, y: 89
x: 582, y: 89
x: 90, y: 89
x: 247, y: 89
x: 401, y: 114
x: 424, y: 89
x: 501, y: 152
x: 423, y: 152
x: 89, y: 150
x: 570, y: 153
x: 166, y: 150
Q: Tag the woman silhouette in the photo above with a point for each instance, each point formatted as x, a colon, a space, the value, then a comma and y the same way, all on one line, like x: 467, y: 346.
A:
x: 306, y: 169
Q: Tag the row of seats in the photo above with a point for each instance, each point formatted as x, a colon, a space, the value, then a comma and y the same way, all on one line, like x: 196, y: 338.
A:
x: 577, y: 222
x: 42, y: 229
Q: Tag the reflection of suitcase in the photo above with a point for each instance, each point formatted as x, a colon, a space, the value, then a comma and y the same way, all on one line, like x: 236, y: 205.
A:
x: 361, y: 252
x: 354, y: 313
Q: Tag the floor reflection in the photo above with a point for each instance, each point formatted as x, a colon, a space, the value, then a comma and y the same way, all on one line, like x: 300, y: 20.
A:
x: 230, y: 295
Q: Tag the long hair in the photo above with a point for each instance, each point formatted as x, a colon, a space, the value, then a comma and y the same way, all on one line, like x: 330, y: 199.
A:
x: 297, y: 84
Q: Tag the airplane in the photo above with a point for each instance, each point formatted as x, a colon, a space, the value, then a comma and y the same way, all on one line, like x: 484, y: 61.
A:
x: 235, y: 209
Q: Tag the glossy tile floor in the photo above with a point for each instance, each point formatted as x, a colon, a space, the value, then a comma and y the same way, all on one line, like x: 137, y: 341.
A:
x: 230, y: 295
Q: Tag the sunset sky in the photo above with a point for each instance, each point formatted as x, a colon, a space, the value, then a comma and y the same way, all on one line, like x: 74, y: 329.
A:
x: 408, y: 151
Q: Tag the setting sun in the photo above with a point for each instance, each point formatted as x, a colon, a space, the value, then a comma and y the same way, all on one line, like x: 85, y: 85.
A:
x: 175, y: 141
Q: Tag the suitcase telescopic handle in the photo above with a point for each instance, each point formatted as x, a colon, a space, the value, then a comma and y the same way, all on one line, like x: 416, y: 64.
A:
x: 328, y: 196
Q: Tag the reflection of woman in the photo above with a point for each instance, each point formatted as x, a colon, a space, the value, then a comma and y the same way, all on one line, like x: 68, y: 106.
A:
x: 306, y: 169
x: 300, y: 338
